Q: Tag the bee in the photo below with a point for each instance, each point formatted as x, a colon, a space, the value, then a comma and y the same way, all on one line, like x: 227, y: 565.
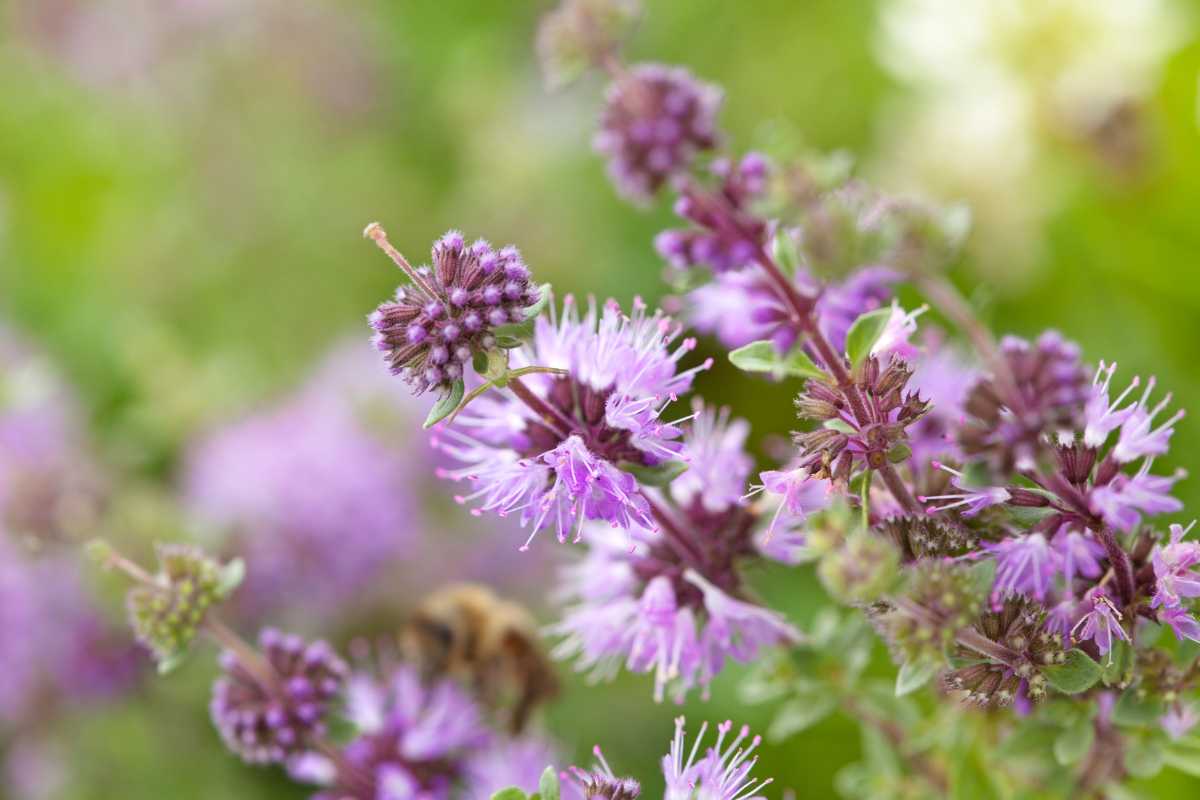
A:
x: 465, y: 632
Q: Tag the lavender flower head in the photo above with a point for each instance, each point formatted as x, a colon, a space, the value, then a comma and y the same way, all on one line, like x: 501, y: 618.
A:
x: 257, y: 481
x: 1051, y: 392
x: 268, y: 710
x: 722, y: 773
x: 670, y: 601
x: 433, y: 328
x: 412, y: 741
x: 655, y: 119
x: 562, y: 467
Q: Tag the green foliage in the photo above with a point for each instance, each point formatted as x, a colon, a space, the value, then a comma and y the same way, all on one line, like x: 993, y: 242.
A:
x: 1077, y: 674
x: 446, y: 404
x: 864, y: 333
x: 762, y: 356
x: 658, y: 475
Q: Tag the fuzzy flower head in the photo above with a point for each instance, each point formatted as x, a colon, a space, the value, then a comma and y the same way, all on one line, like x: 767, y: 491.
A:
x: 601, y: 783
x: 655, y: 120
x: 669, y: 601
x: 721, y: 773
x: 267, y: 711
x: 562, y: 464
x: 433, y: 328
x: 727, y: 236
x: 1139, y: 438
x: 1051, y: 390
x: 1025, y: 565
x: 413, y: 740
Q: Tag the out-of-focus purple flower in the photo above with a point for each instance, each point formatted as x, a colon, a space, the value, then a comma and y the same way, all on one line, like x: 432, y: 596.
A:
x: 1051, y: 392
x: 840, y: 304
x: 268, y: 711
x: 971, y: 500
x: 1081, y: 554
x: 722, y: 773
x: 1179, y: 720
x: 1123, y: 501
x: 412, y: 741
x: 1138, y: 437
x: 33, y: 768
x: 1182, y: 623
x: 942, y: 376
x: 1102, y: 417
x: 727, y: 236
x: 655, y: 120
x: 1173, y: 564
x: 1100, y: 624
x: 561, y: 468
x: 1025, y: 565
x: 799, y: 494
x: 507, y: 762
x: 894, y: 340
x: 718, y: 463
x: 314, y: 496
x: 1063, y: 616
x: 434, y: 327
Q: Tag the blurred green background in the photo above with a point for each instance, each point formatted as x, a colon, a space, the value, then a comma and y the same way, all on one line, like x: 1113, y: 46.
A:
x: 183, y: 184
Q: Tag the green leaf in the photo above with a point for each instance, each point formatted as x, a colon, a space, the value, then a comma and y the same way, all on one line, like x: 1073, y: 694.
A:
x: 511, y: 340
x: 879, y: 753
x: 982, y: 575
x: 1074, y: 742
x: 446, y: 405
x: 1119, y: 664
x: 761, y: 356
x: 171, y: 663
x: 839, y: 425
x: 913, y: 675
x: 1077, y: 674
x: 1134, y: 710
x: 787, y: 256
x: 801, y: 713
x: 537, y: 308
x: 864, y: 333
x: 479, y: 360
x: 1027, y: 517
x: 658, y: 475
x: 231, y: 577
x: 899, y: 453
x: 1144, y: 757
x: 1183, y: 759
x: 548, y: 786
x: 511, y: 793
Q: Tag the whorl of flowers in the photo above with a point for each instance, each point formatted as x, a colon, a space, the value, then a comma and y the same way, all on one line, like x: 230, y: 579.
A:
x: 268, y: 705
x: 167, y: 610
x: 558, y: 454
x: 435, y: 326
x: 655, y: 121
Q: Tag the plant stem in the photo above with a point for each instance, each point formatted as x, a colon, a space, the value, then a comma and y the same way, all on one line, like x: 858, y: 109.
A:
x: 1119, y: 560
x: 896, y: 486
x: 674, y: 536
x: 562, y: 424
x: 249, y: 657
x: 377, y: 234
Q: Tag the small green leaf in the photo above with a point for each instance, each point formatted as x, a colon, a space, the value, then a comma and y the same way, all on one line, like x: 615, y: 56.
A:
x: 446, y: 405
x: 864, y: 333
x: 509, y: 341
x: 537, y: 308
x: 548, y: 786
x: 1118, y: 665
x: 1134, y: 710
x: 511, y: 793
x: 840, y: 425
x: 1183, y: 759
x: 1077, y: 674
x: 231, y: 577
x: 787, y: 255
x: 761, y: 356
x: 1027, y: 516
x: 899, y: 453
x: 1074, y: 742
x: 1144, y: 757
x: 913, y: 675
x: 982, y: 574
x: 658, y: 475
x: 171, y: 663
x: 801, y: 713
x: 479, y: 360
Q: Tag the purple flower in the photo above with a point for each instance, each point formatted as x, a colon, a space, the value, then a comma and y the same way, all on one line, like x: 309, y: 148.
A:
x: 507, y: 762
x: 268, y: 710
x: 893, y: 341
x: 1138, y: 438
x: 1081, y: 554
x: 722, y: 773
x: 798, y: 492
x: 718, y: 464
x: 561, y: 467
x: 742, y: 306
x: 1173, y: 569
x: 941, y: 376
x: 1179, y: 720
x: 1051, y: 389
x: 727, y: 236
x: 602, y: 782
x: 1025, y: 565
x: 1100, y: 624
x: 1102, y: 417
x: 970, y: 500
x: 433, y: 327
x: 313, y: 494
x: 1123, y: 501
x: 412, y: 741
x: 1183, y: 624
x: 655, y: 120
